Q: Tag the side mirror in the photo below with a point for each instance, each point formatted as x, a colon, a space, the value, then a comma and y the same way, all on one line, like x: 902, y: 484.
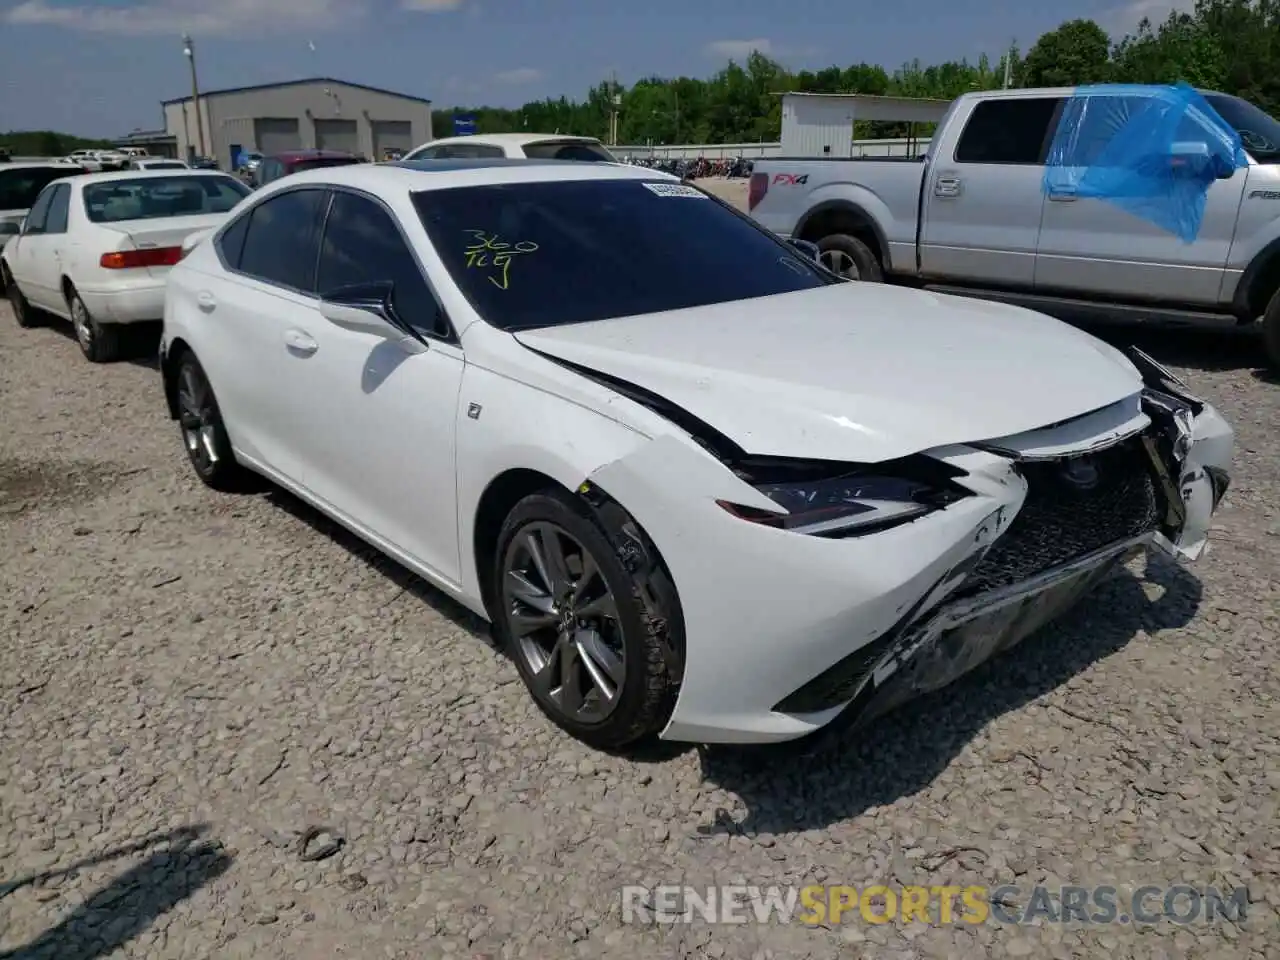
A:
x: 1193, y: 158
x: 361, y: 307
x: 806, y: 248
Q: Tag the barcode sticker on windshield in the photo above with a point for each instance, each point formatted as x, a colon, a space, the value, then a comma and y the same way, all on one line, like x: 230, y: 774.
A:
x: 675, y: 190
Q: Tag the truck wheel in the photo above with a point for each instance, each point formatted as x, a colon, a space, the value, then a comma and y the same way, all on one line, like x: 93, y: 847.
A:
x: 1271, y: 331
x: 850, y: 257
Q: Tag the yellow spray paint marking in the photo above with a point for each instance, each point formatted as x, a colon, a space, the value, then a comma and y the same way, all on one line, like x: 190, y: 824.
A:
x: 489, y: 251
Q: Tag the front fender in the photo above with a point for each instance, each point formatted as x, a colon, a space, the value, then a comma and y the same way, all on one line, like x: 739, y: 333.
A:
x: 504, y: 425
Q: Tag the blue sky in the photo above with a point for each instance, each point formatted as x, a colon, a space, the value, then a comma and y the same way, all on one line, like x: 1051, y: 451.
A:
x: 100, y: 67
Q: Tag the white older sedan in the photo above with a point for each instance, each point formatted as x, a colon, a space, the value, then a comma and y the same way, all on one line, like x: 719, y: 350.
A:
x: 701, y: 486
x: 96, y: 249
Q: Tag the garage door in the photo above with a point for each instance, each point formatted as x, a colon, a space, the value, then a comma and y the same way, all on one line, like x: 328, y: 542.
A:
x: 391, y: 135
x: 337, y: 135
x: 276, y: 135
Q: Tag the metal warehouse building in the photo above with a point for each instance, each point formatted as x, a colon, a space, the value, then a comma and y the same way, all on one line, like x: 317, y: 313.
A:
x: 319, y: 112
x: 821, y: 124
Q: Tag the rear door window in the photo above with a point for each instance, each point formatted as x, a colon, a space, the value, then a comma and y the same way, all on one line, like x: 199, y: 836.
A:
x: 39, y: 212
x: 58, y: 209
x: 281, y: 244
x: 1008, y: 131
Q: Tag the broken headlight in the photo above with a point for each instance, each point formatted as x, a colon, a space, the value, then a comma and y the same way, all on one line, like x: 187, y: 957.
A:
x: 826, y: 499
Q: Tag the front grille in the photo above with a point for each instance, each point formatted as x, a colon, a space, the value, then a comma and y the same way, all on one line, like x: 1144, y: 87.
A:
x: 1062, y: 520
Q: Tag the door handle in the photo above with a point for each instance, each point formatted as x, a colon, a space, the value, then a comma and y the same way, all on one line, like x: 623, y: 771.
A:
x: 206, y: 301
x: 947, y: 187
x: 300, y: 342
x: 1062, y: 195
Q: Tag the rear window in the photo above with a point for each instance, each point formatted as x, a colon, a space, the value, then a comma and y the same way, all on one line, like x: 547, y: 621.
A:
x: 543, y: 254
x: 164, y: 166
x: 315, y: 163
x: 111, y: 201
x: 19, y: 187
x: 568, y: 150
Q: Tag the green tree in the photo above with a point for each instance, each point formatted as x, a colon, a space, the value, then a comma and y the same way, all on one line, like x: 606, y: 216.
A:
x: 1227, y: 45
x: 1077, y: 52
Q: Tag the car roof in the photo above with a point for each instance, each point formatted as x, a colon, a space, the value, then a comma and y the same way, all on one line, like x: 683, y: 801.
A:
x: 512, y: 139
x: 417, y: 175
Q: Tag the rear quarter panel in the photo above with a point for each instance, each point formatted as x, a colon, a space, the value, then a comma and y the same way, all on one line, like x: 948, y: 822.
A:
x: 886, y: 191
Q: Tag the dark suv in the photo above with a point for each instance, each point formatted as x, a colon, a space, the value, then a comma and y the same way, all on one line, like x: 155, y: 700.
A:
x: 283, y: 164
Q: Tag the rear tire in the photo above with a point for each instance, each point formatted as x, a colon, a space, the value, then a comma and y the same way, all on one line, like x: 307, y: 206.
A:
x: 23, y: 312
x: 1271, y: 332
x: 99, y: 342
x: 850, y: 257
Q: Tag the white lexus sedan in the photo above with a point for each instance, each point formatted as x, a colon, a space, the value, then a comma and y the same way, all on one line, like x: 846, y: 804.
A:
x: 96, y: 249
x: 700, y: 486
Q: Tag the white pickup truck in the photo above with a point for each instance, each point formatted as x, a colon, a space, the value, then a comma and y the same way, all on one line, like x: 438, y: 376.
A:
x: 972, y: 217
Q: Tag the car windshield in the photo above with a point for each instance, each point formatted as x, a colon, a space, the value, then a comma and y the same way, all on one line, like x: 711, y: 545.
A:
x: 20, y: 186
x: 1259, y: 131
x: 568, y: 150
x: 543, y: 254
x: 150, y: 198
x: 315, y: 163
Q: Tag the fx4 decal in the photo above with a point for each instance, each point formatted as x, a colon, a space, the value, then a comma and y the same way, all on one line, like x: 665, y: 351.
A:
x: 1265, y: 195
x: 790, y: 179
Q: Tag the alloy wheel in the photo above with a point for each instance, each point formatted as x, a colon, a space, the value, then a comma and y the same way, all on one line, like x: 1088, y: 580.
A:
x: 197, y: 419
x: 839, y: 262
x: 564, y: 619
x: 84, y: 325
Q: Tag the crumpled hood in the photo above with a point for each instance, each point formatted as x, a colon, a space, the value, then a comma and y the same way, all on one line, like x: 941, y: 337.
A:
x: 855, y: 371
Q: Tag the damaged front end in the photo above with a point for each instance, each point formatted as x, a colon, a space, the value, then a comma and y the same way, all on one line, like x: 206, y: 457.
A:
x: 1190, y: 448
x: 1156, y: 485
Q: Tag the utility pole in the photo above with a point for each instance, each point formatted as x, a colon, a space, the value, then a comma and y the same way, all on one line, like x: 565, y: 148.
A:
x: 1008, y: 64
x: 615, y: 101
x: 188, y: 48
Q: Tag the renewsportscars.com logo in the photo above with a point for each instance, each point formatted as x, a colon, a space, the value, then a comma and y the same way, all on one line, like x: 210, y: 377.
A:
x: 879, y: 904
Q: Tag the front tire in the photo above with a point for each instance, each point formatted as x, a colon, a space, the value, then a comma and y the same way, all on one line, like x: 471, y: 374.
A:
x: 99, y: 342
x: 850, y: 258
x: 204, y: 435
x: 1271, y: 332
x: 580, y: 627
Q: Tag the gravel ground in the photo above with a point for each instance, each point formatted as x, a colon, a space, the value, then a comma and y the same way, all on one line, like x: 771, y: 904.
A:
x: 188, y: 680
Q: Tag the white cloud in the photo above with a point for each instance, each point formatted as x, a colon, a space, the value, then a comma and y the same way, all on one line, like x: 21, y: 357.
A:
x: 199, y: 17
x: 431, y: 6
x: 519, y: 75
x: 737, y: 49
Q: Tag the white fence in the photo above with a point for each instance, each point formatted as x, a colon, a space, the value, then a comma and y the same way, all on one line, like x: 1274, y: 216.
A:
x: 899, y: 147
